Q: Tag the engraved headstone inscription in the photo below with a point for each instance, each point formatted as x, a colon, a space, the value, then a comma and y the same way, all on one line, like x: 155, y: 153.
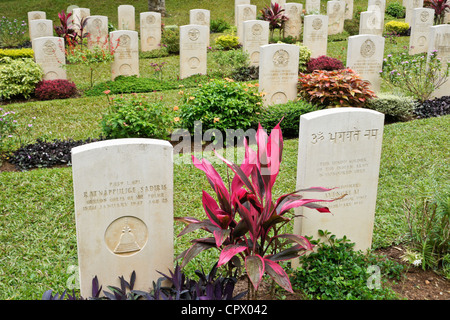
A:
x: 256, y: 34
x: 126, y: 53
x: 193, y: 50
x: 340, y: 148
x: 315, y: 34
x: 49, y: 53
x: 123, y: 194
x: 150, y: 27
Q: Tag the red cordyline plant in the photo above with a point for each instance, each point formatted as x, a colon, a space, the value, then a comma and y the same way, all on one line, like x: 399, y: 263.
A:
x: 275, y: 16
x: 244, y: 219
x: 440, y: 7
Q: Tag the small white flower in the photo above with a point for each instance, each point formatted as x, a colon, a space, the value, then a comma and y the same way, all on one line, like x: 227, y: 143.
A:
x: 417, y: 262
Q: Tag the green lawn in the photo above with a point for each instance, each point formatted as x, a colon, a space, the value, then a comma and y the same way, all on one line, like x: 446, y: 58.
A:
x: 37, y: 223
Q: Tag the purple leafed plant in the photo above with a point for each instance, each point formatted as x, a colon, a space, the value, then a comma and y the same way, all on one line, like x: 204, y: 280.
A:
x: 244, y: 219
x: 275, y: 16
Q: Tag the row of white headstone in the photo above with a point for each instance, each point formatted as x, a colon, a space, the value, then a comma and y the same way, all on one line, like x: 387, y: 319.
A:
x: 124, y: 194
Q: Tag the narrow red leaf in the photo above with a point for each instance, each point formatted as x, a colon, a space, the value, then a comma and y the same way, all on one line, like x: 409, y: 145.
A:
x: 277, y: 273
x: 254, y: 265
x: 229, y: 252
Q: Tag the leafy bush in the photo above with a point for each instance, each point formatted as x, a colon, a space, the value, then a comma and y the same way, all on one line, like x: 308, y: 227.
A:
x: 324, y: 63
x: 134, y: 84
x: 395, y: 107
x: 170, y: 39
x: 428, y: 221
x: 136, y: 117
x: 418, y: 75
x: 257, y: 237
x: 17, y: 53
x: 246, y: 73
x: 45, y: 154
x: 221, y: 104
x: 397, y: 27
x: 218, y: 25
x: 338, y: 88
x: 18, y: 77
x: 304, y: 57
x: 13, y: 33
x: 55, y: 89
x: 396, y: 10
x: 351, y: 26
x: 433, y: 108
x: 227, y: 42
x: 335, y: 271
x: 209, y: 286
x: 290, y: 112
x: 229, y: 61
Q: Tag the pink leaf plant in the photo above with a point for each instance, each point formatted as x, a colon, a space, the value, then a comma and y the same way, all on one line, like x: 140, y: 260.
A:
x: 245, y: 220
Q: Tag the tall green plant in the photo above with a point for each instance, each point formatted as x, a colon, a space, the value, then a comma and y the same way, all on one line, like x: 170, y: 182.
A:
x: 255, y: 237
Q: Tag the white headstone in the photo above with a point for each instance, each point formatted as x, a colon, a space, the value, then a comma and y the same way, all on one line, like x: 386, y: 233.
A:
x: 422, y: 20
x: 293, y: 26
x: 280, y: 2
x: 340, y: 148
x: 348, y: 14
x: 335, y: 12
x: 97, y: 29
x: 440, y: 41
x: 126, y: 16
x: 256, y: 34
x: 237, y: 3
x: 370, y: 23
x: 77, y: 15
x: 41, y: 28
x: 410, y: 5
x: 201, y: 17
x: 365, y: 57
x: 244, y: 12
x: 377, y: 5
x: 49, y: 53
x: 193, y: 50
x: 126, y: 53
x: 312, y: 7
x: 278, y: 73
x: 315, y: 34
x: 150, y: 27
x: 34, y: 15
x: 123, y: 194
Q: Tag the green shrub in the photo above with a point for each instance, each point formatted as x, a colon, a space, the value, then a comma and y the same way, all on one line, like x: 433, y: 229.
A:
x: 218, y: 25
x: 18, y: 77
x: 395, y: 107
x: 13, y: 33
x: 304, y: 57
x: 396, y: 27
x: 227, y: 42
x: 134, y: 84
x: 170, y: 39
x: 396, y: 10
x: 290, y: 112
x: 335, y: 271
x: 221, y: 104
x: 136, y: 117
x: 227, y: 62
x: 351, y: 26
x: 17, y: 53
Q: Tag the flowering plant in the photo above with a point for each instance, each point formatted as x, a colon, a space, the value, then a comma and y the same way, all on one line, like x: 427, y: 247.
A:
x: 255, y: 237
x: 12, y: 132
x: 417, y: 76
x: 12, y: 33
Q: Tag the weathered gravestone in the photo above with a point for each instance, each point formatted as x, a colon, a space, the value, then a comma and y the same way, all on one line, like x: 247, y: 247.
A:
x: 237, y: 3
x: 123, y: 193
x: 201, y: 17
x: 78, y: 14
x: 365, y: 57
x: 50, y: 54
x: 312, y: 7
x: 422, y: 20
x: 439, y: 41
x: 193, y: 50
x: 244, y: 12
x: 126, y: 53
x: 34, y: 15
x: 41, y: 28
x: 150, y: 27
x: 335, y: 12
x: 293, y: 26
x: 255, y: 35
x: 126, y: 17
x: 278, y: 73
x: 280, y: 2
x: 370, y: 23
x: 340, y: 148
x: 97, y: 30
x: 315, y: 34
x: 348, y: 14
x: 410, y: 5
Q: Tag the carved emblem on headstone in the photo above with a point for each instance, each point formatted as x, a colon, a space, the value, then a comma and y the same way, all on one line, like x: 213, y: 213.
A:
x: 49, y: 48
x: 257, y: 29
x: 317, y: 24
x: 424, y: 15
x: 194, y: 34
x: 281, y: 58
x: 367, y: 48
x: 150, y: 19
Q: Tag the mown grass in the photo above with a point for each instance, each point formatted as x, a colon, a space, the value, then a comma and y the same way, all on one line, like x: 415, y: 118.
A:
x: 38, y: 236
